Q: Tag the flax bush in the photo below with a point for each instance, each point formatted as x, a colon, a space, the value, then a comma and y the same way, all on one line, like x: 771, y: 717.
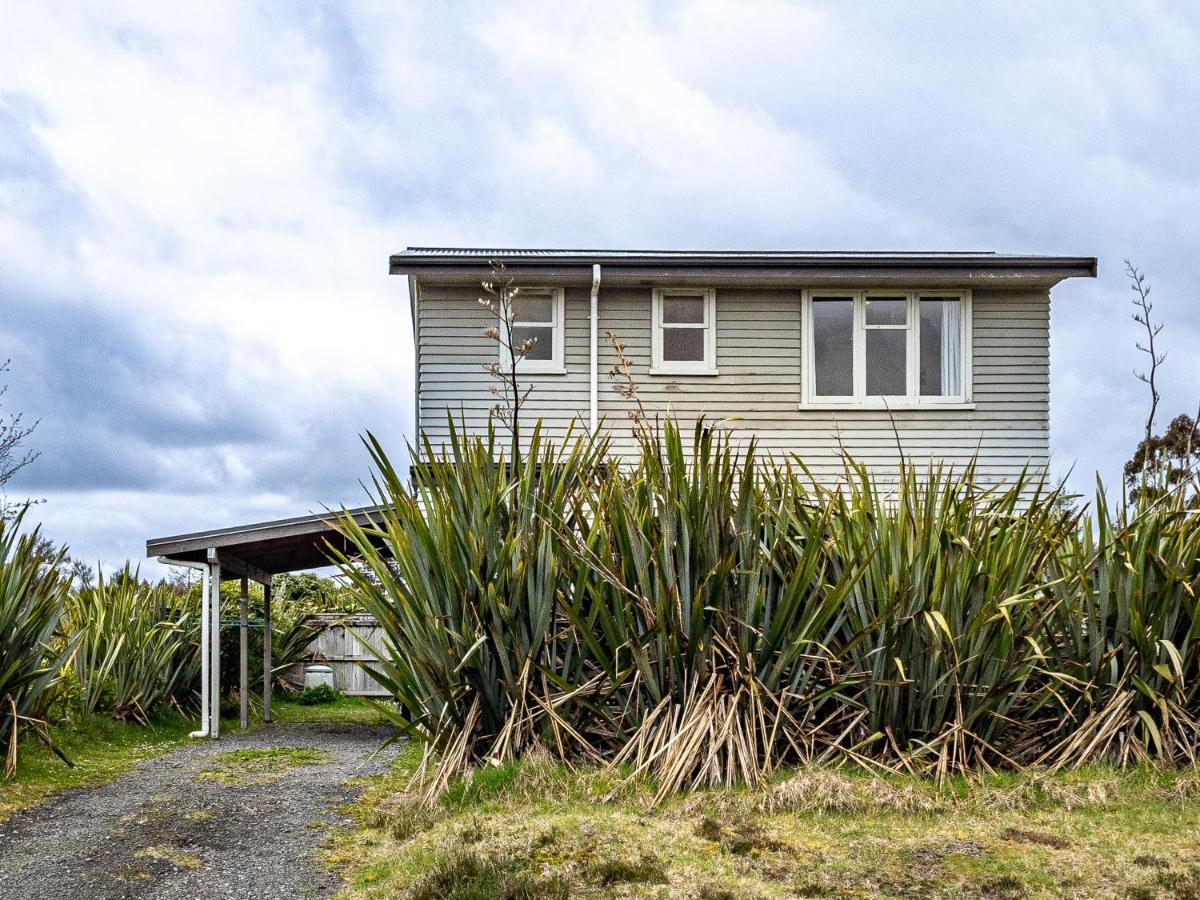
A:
x: 1126, y: 635
x: 137, y: 646
x: 465, y: 573
x: 32, y: 597
x: 702, y: 614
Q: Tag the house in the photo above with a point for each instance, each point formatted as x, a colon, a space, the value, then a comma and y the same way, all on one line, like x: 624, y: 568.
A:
x: 946, y: 355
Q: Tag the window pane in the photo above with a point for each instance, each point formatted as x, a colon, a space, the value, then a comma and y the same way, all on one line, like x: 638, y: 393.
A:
x: 941, y: 348
x: 887, y: 311
x: 683, y: 310
x: 683, y: 344
x: 533, y: 308
x: 542, y: 335
x: 886, y: 373
x: 833, y: 347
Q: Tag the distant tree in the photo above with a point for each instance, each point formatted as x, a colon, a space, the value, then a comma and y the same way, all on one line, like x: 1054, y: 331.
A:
x: 1167, y: 461
x: 14, y: 456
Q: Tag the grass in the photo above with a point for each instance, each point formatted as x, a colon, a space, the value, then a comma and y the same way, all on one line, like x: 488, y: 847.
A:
x: 173, y: 855
x: 259, y: 766
x: 538, y: 830
x: 101, y: 749
x: 343, y: 711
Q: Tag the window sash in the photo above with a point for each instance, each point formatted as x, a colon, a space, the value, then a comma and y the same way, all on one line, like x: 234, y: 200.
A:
x: 912, y: 326
x: 708, y: 328
x: 555, y: 323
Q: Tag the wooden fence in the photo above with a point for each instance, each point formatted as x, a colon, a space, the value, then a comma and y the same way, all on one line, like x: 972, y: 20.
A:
x: 338, y: 647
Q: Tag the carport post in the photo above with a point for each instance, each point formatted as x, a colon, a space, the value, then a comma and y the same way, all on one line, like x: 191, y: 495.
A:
x: 214, y: 636
x: 244, y: 652
x: 267, y: 649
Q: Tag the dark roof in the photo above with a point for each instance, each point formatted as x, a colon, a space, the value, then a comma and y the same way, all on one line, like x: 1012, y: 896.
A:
x: 415, y: 259
x: 282, y: 545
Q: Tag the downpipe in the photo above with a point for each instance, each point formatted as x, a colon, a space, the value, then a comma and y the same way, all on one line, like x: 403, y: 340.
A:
x: 205, y: 574
x: 594, y: 319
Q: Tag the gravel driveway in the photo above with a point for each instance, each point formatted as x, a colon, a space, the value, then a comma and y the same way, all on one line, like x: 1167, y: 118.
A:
x: 166, y: 830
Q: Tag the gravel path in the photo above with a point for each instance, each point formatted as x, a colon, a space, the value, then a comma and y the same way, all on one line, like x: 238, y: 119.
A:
x: 160, y: 831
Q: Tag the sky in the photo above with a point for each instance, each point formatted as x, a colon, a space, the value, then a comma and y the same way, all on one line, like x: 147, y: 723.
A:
x: 198, y: 201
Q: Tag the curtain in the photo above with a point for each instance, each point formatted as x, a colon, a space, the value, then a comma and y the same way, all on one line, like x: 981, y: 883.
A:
x: 951, y: 349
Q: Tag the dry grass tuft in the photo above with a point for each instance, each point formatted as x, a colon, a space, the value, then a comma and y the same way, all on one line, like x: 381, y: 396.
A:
x: 824, y: 791
x: 1042, y: 790
x: 402, y: 814
x: 1185, y: 787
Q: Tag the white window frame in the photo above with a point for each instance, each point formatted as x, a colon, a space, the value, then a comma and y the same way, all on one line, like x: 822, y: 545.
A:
x: 860, y: 399
x: 706, y: 366
x: 556, y: 364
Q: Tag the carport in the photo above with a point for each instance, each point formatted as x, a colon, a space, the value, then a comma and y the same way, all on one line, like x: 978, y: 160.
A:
x: 247, y: 553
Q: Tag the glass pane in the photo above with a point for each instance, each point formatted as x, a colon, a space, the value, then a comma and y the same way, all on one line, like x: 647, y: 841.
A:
x: 541, y: 335
x: 683, y: 345
x: 886, y: 372
x: 683, y: 310
x: 533, y: 308
x: 887, y: 311
x: 833, y: 347
x: 941, y: 348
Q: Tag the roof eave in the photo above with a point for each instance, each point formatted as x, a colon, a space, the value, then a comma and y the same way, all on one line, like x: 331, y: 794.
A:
x: 1041, y: 268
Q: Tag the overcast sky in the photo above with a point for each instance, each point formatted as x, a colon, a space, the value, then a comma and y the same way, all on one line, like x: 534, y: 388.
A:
x: 197, y: 205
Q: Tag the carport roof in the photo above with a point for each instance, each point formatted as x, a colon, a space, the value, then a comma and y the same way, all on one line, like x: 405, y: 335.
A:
x: 282, y: 545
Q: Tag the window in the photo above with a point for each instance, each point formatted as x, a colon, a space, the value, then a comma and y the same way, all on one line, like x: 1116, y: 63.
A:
x: 886, y: 347
x: 537, y: 316
x: 684, y: 332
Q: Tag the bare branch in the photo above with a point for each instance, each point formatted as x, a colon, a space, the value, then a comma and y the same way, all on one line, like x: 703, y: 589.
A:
x: 1144, y: 317
x: 13, y: 432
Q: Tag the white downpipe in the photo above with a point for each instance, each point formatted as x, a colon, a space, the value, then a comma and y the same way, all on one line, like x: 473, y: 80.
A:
x: 594, y: 387
x: 203, y: 569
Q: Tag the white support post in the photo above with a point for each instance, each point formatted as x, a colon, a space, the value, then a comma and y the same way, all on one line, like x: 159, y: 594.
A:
x: 205, y: 678
x: 214, y: 637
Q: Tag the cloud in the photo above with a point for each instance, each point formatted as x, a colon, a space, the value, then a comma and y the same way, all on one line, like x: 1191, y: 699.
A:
x: 197, y: 202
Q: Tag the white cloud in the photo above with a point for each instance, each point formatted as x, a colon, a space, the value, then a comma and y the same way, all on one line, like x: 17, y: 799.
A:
x: 193, y: 235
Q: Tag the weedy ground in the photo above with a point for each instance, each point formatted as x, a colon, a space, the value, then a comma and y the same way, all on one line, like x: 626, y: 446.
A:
x: 259, y: 766
x: 538, y: 830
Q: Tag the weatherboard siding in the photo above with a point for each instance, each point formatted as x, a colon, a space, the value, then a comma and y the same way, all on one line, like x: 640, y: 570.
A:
x: 758, y: 390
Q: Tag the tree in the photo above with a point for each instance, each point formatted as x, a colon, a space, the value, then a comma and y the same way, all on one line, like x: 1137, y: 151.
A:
x: 13, y: 432
x: 1170, y: 461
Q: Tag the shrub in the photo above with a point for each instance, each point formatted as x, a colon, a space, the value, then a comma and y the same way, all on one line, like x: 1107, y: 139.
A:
x: 138, y: 645
x: 317, y: 695
x: 463, y: 574
x: 32, y: 597
x: 1126, y: 637
x: 703, y: 615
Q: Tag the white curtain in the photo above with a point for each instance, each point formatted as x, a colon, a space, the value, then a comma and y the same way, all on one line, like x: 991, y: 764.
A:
x: 951, y: 349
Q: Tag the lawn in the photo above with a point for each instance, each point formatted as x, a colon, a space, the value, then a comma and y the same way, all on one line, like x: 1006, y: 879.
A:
x: 537, y: 830
x: 102, y: 748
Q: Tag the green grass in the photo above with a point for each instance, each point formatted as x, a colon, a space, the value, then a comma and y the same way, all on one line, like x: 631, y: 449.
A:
x: 258, y: 766
x: 101, y: 749
x: 343, y: 711
x: 539, y: 830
